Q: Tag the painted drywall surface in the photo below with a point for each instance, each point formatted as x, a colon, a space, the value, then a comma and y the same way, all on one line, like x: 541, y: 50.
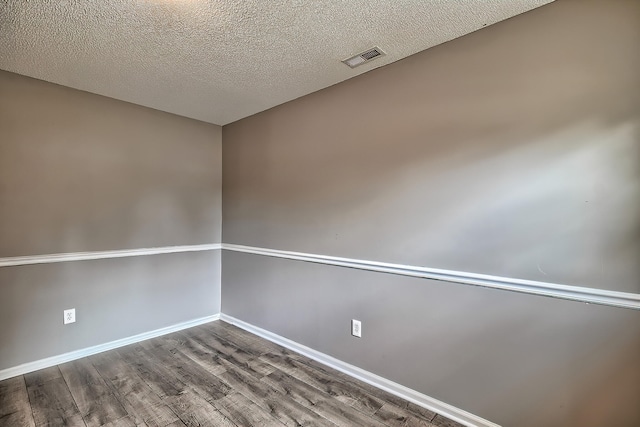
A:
x: 81, y: 172
x: 113, y: 298
x: 512, y: 151
x: 514, y: 359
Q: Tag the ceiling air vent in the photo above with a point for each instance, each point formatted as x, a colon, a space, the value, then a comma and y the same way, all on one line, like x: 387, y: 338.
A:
x: 366, y: 56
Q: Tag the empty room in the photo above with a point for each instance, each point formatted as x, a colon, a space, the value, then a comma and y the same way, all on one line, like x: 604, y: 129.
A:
x: 392, y: 213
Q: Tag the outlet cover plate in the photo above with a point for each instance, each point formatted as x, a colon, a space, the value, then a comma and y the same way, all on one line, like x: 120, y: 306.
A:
x: 356, y: 328
x: 69, y: 316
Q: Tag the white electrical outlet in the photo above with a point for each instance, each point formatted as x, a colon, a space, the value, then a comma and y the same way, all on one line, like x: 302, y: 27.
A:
x: 69, y: 316
x: 356, y: 328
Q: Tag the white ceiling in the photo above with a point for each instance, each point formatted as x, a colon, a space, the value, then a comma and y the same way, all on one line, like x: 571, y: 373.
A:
x: 222, y: 60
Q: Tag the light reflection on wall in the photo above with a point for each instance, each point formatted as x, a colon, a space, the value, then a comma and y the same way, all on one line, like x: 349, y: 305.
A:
x: 564, y: 209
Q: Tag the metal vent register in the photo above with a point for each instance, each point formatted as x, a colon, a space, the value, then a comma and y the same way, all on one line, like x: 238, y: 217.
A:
x: 366, y: 56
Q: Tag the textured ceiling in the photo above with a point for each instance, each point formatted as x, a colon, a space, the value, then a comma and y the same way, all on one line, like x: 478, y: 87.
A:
x: 222, y: 60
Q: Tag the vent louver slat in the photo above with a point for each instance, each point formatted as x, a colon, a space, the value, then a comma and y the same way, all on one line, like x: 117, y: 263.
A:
x: 363, y: 57
x: 371, y: 54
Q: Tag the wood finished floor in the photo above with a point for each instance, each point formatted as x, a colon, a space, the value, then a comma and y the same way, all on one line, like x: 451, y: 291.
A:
x: 210, y: 375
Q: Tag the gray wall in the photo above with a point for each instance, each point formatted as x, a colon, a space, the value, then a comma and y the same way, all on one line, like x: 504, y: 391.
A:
x: 114, y: 298
x: 514, y: 151
x: 514, y: 359
x: 81, y: 172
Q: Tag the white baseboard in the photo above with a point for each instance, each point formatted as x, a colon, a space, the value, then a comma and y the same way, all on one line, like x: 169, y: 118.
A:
x: 25, y: 368
x: 394, y: 388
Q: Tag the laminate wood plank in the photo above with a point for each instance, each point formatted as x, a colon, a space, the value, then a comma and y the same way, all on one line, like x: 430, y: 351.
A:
x: 84, y: 382
x: 294, y: 414
x: 245, y: 412
x: 440, y: 421
x: 13, y: 394
x: 12, y: 384
x: 251, y: 364
x: 55, y: 420
x: 246, y: 384
x: 42, y: 376
x: 122, y: 422
x: 17, y: 418
x: 193, y: 411
x: 270, y: 400
x: 214, y: 374
x: 413, y: 409
x: 259, y: 344
x: 15, y: 410
x: 230, y: 351
x: 244, y: 354
x: 316, y: 401
x: 211, y: 341
x: 183, y: 370
x: 93, y: 397
x: 80, y: 371
x: 417, y: 422
x: 344, y: 392
x: 154, y: 374
x: 221, y: 348
x: 117, y: 374
x: 310, y: 396
x: 241, y: 338
x: 202, y: 355
x: 412, y: 414
x: 104, y: 410
x: 146, y: 411
x: 394, y: 416
x: 53, y: 405
x: 294, y: 389
x: 344, y: 415
x: 142, y: 404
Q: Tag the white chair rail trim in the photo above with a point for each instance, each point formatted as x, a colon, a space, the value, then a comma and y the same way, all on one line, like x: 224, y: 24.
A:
x: 119, y: 253
x: 554, y: 290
